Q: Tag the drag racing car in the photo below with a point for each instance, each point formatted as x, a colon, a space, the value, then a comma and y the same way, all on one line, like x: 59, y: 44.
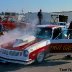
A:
x: 8, y: 22
x: 26, y: 50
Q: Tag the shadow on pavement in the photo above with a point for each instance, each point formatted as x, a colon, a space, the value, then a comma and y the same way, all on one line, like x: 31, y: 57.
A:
x: 7, y: 67
x: 51, y: 63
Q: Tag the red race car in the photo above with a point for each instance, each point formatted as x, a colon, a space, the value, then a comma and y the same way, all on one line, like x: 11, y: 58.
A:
x: 26, y: 50
x: 8, y: 23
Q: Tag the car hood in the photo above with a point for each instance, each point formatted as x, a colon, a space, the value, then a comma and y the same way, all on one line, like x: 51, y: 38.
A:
x: 28, y: 41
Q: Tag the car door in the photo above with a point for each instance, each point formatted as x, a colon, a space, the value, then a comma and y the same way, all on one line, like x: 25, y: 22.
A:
x: 60, y: 43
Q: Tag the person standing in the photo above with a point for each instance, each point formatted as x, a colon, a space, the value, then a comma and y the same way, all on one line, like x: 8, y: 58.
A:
x: 1, y: 29
x: 40, y: 16
x: 69, y: 32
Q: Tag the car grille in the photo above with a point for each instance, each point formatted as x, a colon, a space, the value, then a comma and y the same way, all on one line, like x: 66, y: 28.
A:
x: 10, y: 52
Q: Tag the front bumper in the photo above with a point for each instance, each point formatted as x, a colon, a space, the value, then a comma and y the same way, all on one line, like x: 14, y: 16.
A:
x: 4, y: 60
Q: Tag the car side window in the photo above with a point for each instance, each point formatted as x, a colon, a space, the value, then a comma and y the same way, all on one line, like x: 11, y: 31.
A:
x: 64, y: 34
x: 57, y: 34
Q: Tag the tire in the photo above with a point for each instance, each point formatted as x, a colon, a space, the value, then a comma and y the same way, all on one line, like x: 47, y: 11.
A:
x: 40, y: 57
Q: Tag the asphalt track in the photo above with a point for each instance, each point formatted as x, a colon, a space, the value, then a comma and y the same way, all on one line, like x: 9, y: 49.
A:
x: 52, y: 64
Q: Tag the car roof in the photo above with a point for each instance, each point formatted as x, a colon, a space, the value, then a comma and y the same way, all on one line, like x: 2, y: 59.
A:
x: 50, y: 26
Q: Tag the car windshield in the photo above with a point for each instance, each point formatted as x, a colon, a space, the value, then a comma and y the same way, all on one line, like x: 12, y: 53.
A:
x: 8, y: 19
x: 11, y: 19
x: 44, y: 33
x: 4, y: 19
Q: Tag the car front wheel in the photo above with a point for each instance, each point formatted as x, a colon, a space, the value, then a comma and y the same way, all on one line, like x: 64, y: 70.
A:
x: 40, y: 57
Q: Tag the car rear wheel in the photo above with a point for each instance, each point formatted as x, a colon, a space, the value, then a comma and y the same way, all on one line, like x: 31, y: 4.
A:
x: 40, y: 57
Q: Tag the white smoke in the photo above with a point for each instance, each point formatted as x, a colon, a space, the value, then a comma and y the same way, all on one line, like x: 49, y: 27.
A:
x: 18, y: 32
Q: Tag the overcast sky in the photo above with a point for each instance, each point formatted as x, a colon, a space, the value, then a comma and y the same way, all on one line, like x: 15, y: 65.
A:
x: 35, y: 5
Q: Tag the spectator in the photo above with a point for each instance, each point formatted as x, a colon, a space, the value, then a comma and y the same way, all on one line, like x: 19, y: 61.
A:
x: 69, y: 32
x: 40, y: 16
x: 1, y: 29
x: 0, y: 19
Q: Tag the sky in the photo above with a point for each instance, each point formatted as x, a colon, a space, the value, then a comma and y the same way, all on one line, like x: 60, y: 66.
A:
x: 35, y: 5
